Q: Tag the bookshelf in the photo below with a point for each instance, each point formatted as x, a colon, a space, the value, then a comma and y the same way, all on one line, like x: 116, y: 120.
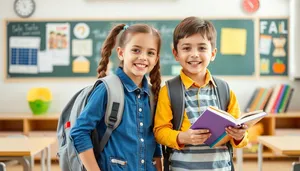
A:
x: 275, y: 101
x: 18, y: 124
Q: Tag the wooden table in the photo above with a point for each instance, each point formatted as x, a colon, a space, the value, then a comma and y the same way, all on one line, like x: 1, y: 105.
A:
x: 284, y: 145
x: 24, y: 149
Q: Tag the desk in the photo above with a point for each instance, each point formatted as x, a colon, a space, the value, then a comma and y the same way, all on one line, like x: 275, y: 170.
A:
x: 284, y: 145
x: 24, y: 149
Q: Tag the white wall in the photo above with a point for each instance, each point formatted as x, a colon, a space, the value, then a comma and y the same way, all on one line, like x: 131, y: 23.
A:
x: 294, y: 72
x: 13, y: 95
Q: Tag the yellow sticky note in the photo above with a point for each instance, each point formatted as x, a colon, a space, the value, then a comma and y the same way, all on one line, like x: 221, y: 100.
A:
x: 233, y: 41
x: 81, y: 65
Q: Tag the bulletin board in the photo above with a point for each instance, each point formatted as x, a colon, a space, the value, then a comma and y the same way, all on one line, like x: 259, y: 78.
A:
x: 273, y: 46
x: 43, y: 48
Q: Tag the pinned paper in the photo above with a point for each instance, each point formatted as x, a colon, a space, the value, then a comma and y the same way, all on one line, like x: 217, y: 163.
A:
x: 81, y: 65
x: 58, y: 43
x: 45, y: 62
x: 82, y: 47
x: 23, y: 57
x: 265, y: 43
x: 264, y: 66
x: 279, y: 44
x: 81, y: 30
x: 233, y: 41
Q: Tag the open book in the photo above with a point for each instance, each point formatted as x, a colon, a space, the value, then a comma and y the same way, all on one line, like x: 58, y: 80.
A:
x: 217, y: 120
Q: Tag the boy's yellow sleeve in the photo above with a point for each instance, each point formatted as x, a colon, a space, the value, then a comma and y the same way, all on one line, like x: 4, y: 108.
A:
x: 234, y: 110
x: 163, y: 127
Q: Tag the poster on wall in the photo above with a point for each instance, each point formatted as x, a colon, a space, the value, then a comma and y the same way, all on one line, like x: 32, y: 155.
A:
x: 273, y: 47
x: 24, y: 54
x: 58, y: 43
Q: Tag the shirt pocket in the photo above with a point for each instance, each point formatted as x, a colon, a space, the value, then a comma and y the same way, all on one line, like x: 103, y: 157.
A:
x: 117, y: 164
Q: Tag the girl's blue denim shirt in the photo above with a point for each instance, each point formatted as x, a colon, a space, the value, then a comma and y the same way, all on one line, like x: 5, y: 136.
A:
x: 132, y: 145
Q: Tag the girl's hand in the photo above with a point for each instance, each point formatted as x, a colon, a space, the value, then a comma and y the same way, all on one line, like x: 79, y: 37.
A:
x: 158, y: 163
x: 237, y: 133
x: 194, y: 137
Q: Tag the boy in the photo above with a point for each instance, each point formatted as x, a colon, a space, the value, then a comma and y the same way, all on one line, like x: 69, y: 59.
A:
x: 194, y: 43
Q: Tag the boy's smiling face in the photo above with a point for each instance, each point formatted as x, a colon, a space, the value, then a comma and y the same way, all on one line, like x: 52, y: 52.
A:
x: 194, y: 54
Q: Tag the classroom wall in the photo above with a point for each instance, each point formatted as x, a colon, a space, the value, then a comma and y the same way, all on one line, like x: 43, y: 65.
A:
x: 294, y: 47
x: 13, y: 94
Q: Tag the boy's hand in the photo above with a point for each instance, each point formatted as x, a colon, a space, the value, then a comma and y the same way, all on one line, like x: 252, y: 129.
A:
x: 194, y: 137
x: 237, y: 133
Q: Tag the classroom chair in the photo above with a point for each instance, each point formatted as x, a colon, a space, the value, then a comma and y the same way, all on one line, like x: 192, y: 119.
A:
x: 296, y: 166
x: 2, y: 167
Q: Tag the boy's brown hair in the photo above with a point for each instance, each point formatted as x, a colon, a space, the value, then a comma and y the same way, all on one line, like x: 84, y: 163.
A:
x: 194, y: 25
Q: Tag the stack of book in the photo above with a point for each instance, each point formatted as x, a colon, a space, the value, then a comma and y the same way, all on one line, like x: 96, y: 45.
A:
x: 271, y: 100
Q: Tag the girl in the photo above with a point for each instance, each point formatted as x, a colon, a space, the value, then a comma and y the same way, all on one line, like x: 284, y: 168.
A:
x: 132, y: 145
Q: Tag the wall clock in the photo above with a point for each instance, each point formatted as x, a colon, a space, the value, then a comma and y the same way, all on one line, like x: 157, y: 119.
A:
x: 24, y: 8
x: 250, y: 6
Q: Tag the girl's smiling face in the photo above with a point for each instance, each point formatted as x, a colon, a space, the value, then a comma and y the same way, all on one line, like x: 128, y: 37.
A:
x: 139, y: 55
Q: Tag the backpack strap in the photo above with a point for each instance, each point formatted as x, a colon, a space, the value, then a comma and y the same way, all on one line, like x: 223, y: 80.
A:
x: 114, y: 106
x: 176, y: 96
x: 223, y: 93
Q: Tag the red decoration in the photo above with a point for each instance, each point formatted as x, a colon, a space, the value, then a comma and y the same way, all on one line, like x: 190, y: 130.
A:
x: 250, y: 6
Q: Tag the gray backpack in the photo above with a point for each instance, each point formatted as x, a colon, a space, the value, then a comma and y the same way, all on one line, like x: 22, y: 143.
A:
x: 68, y: 157
x: 176, y: 95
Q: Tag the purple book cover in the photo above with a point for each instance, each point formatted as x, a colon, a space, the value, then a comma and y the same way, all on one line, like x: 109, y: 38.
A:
x: 215, y: 124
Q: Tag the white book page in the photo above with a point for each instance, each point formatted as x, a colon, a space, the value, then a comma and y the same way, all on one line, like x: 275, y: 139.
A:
x: 223, y: 114
x: 251, y: 119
